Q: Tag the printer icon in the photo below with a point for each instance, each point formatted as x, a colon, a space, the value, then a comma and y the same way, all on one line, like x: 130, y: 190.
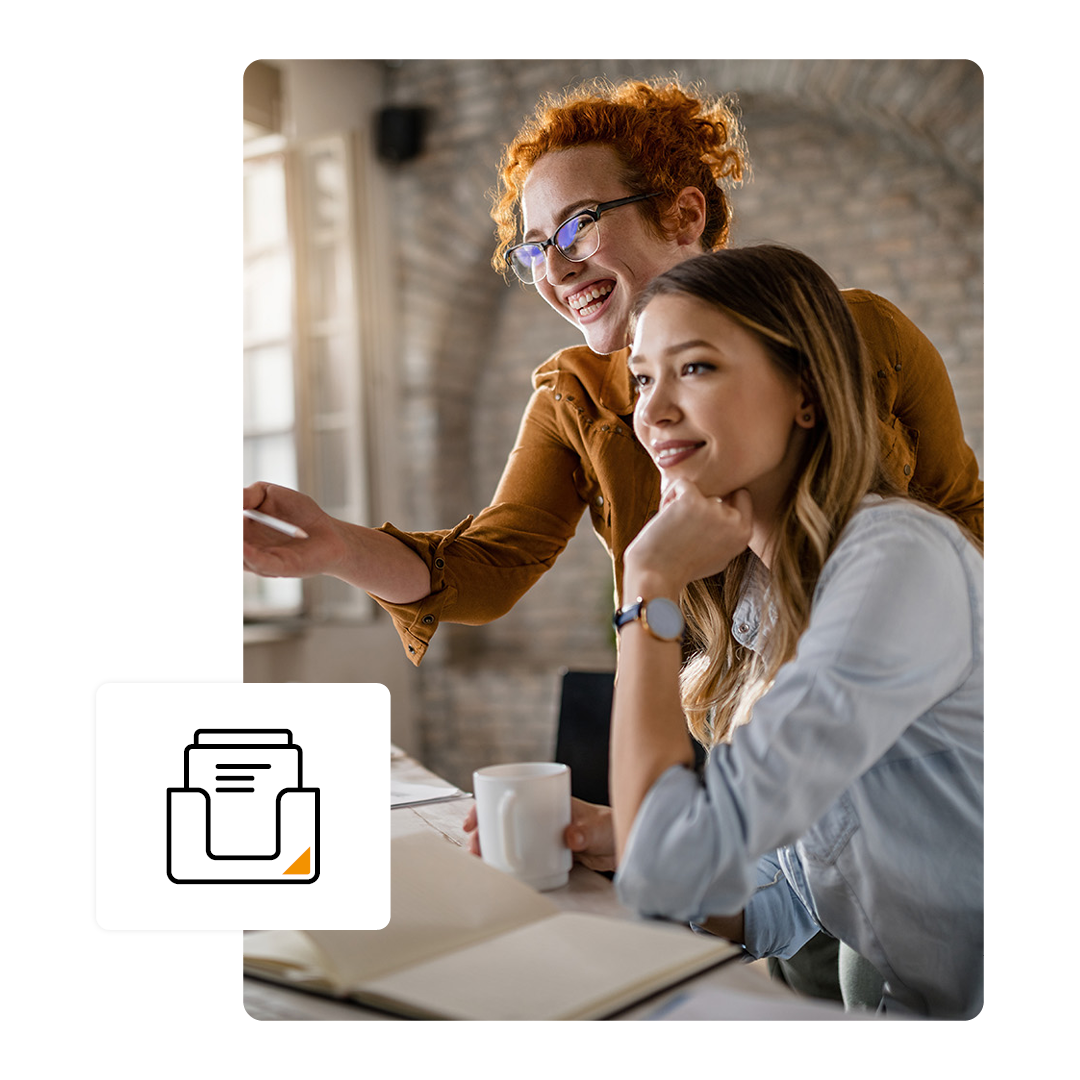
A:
x: 243, y: 815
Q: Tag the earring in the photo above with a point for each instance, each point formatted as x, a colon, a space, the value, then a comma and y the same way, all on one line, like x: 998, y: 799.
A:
x: 807, y: 417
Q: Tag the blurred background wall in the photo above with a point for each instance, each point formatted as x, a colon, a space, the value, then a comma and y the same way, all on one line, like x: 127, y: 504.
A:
x: 872, y: 167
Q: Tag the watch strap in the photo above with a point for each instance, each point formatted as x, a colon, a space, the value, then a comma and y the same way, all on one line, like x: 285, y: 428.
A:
x: 639, y: 611
x: 627, y: 614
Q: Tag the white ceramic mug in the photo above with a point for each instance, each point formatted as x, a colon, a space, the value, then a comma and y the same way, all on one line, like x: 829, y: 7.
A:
x: 523, y: 811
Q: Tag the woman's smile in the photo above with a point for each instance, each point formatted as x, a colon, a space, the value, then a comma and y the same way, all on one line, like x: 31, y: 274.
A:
x: 671, y: 452
x: 595, y: 295
x: 587, y: 302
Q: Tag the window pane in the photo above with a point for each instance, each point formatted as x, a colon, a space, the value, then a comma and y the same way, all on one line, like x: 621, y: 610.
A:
x: 280, y: 594
x: 271, y: 458
x: 267, y: 297
x: 264, y: 204
x: 268, y: 389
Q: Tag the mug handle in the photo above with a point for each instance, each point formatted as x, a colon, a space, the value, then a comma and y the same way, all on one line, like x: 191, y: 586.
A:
x: 507, y: 831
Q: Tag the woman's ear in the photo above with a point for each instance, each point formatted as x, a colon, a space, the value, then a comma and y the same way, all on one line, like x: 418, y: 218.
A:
x: 687, y: 216
x: 806, y: 417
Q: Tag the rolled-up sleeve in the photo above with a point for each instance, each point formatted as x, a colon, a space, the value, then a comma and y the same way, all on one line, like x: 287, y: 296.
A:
x: 708, y: 871
x: 484, y: 565
x: 686, y: 856
x: 776, y: 922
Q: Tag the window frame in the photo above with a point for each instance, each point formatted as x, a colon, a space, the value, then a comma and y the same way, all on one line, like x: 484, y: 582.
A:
x: 332, y: 334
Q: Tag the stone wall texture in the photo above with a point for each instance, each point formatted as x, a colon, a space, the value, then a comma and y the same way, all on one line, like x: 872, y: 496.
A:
x: 873, y: 167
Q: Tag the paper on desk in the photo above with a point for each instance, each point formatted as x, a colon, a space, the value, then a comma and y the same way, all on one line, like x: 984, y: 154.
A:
x: 403, y: 793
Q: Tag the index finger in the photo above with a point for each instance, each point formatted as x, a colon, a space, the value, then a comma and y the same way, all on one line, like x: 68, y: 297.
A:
x: 255, y: 495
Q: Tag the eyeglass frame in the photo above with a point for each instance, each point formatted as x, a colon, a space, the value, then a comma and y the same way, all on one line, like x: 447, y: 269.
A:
x: 594, y: 213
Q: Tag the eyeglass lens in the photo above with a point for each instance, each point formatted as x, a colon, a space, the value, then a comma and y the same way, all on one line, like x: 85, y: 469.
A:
x: 575, y: 239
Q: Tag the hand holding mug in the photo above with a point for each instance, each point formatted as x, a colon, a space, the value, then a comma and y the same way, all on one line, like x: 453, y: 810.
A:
x: 589, y: 836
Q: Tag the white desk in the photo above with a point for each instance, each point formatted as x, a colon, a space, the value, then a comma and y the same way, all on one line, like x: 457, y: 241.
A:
x: 586, y: 891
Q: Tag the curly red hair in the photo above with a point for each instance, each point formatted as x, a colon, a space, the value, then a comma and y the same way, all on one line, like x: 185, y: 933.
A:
x: 666, y: 136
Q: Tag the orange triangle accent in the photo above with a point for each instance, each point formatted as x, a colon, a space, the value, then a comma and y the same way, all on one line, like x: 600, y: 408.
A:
x: 302, y: 865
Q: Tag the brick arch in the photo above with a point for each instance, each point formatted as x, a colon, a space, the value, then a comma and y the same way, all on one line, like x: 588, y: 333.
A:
x: 934, y: 107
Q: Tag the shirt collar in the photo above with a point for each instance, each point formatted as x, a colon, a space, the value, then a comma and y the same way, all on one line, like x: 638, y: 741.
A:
x: 746, y: 622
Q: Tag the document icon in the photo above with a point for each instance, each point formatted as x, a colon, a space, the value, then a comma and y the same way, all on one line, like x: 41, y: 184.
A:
x: 243, y: 814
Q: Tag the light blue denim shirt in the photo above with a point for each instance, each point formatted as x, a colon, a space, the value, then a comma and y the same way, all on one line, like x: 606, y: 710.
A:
x: 852, y: 801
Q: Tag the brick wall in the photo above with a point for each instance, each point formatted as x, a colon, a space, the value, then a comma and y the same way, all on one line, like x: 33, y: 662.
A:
x: 872, y: 167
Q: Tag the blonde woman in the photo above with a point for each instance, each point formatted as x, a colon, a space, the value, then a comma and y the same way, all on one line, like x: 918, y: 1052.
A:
x: 836, y: 627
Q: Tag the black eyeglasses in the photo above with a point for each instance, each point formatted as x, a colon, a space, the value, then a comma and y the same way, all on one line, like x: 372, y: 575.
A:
x: 576, y: 239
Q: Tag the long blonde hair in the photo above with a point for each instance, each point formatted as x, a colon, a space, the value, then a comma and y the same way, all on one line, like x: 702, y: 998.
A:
x: 800, y: 317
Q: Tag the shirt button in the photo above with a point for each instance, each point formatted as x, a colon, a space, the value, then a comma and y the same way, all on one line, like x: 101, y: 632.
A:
x: 558, y: 397
x: 897, y: 367
x: 599, y: 500
x: 744, y: 628
x: 907, y: 470
x: 427, y: 620
x: 439, y: 563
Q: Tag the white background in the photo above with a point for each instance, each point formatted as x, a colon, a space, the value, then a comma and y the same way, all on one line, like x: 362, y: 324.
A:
x: 343, y: 731
x: 120, y: 200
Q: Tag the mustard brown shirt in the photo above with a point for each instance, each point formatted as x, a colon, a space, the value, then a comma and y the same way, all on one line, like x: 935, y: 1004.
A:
x: 576, y: 449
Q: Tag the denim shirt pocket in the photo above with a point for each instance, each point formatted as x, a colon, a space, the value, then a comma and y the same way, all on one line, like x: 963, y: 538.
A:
x: 830, y: 834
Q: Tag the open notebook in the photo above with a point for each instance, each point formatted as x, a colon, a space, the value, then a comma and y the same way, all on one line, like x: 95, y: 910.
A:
x: 467, y: 942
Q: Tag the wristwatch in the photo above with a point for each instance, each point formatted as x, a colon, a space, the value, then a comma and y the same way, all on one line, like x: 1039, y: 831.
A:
x: 660, y: 616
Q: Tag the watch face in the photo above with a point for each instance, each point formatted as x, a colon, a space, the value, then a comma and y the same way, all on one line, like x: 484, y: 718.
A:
x: 664, y: 618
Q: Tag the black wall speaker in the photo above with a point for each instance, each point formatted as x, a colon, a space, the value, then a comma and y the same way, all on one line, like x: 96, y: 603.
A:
x: 399, y: 132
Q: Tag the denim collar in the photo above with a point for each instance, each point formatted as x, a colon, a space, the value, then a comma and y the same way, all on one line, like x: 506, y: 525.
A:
x: 746, y: 623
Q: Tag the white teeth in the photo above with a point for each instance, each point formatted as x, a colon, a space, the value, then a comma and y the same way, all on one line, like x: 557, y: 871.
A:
x: 669, y: 452
x: 584, y: 302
